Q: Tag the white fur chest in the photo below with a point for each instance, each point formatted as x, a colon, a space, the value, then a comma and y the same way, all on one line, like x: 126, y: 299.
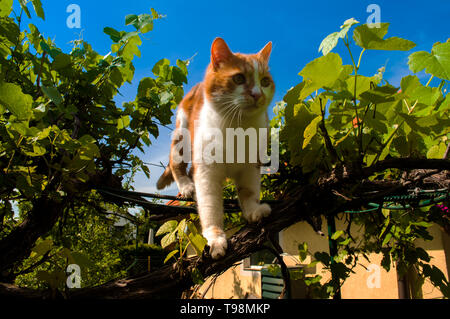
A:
x: 216, y: 140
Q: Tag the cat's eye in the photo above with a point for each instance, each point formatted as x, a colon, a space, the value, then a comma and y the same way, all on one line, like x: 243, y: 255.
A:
x: 239, y: 78
x: 265, y: 82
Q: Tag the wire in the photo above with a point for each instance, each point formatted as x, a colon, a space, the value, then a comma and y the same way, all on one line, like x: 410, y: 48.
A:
x: 435, y: 196
x: 424, y: 198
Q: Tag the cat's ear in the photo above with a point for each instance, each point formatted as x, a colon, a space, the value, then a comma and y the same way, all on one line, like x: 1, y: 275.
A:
x: 264, y: 54
x: 220, y: 53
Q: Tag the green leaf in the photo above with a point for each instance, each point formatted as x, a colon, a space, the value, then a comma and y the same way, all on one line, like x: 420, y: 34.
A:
x: 123, y: 122
x: 337, y: 234
x: 372, y: 38
x: 113, y: 34
x: 38, y: 150
x: 61, y: 61
x: 86, y: 139
x: 168, y: 239
x: 197, y: 276
x: 387, y: 238
x: 145, y: 86
x: 181, y: 228
x: 363, y: 84
x: 310, y: 131
x: 6, y: 7
x: 331, y: 40
x: 436, y: 63
x: 167, y: 227
x: 145, y: 23
x: 380, y: 94
x: 321, y: 72
x: 198, y: 242
x: 37, y: 5
x: 53, y: 52
x: 303, y: 251
x: 81, y: 259
x: 422, y: 224
x: 437, y: 151
x: 23, y: 5
x: 12, y: 97
x: 292, y: 96
x: 53, y: 94
x: 298, y: 118
x: 183, y: 66
x: 329, y: 43
x: 54, y: 278
x: 42, y: 247
x: 89, y: 151
x: 170, y: 255
x: 131, y: 19
x: 412, y: 88
x: 160, y: 67
x: 165, y: 97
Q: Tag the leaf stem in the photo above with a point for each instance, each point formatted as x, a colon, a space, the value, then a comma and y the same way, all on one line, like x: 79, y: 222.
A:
x: 360, y: 56
x: 431, y: 78
x: 355, y: 68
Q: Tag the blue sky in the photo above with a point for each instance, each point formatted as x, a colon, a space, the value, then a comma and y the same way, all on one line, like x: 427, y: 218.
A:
x: 295, y: 27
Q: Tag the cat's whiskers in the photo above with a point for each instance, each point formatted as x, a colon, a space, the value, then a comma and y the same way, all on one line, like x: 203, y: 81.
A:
x: 229, y: 109
x: 234, y: 110
x: 228, y: 119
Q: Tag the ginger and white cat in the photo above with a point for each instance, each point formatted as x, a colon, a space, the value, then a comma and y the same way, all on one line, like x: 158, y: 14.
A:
x: 236, y: 92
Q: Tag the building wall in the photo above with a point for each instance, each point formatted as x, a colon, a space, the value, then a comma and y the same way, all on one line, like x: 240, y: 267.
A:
x: 237, y: 282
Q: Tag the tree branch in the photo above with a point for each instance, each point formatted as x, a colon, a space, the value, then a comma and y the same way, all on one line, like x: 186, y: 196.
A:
x: 305, y: 202
x: 408, y: 164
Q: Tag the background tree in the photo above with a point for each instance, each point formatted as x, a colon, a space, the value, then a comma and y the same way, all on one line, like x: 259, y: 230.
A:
x: 62, y: 133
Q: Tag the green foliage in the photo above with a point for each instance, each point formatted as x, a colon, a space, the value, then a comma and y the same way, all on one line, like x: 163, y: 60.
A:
x: 336, y: 117
x: 179, y: 236
x: 436, y: 63
x: 335, y: 110
x: 57, y: 113
x: 85, y: 238
x: 61, y: 129
x: 371, y: 38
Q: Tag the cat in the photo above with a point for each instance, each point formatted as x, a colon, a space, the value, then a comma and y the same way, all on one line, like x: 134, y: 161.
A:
x: 236, y: 91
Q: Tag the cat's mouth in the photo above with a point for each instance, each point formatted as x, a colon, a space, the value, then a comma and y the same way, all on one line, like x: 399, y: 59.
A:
x: 252, y: 105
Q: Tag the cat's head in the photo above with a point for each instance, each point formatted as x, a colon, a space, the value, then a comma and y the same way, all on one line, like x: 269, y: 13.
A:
x: 239, y: 80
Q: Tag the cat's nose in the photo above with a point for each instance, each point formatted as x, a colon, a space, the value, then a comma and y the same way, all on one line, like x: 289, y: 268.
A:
x: 256, y: 94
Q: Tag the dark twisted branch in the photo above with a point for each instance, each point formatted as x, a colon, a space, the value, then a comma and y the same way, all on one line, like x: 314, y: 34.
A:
x: 305, y: 202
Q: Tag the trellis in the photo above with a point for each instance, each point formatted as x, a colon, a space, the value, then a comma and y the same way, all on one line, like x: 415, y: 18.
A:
x: 414, y: 198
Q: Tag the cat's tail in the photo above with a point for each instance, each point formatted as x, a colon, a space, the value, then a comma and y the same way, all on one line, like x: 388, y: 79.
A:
x: 166, y: 178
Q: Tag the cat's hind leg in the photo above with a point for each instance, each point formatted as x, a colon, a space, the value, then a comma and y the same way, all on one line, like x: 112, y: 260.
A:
x: 180, y: 156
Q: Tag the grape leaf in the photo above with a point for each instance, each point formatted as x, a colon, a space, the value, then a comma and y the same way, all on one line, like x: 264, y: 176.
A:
x: 372, y: 38
x: 436, y: 63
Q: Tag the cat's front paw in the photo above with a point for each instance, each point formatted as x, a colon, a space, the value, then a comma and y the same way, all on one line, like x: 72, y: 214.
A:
x: 261, y: 211
x: 217, y: 242
x: 186, y: 187
x: 188, y: 190
x: 218, y: 247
